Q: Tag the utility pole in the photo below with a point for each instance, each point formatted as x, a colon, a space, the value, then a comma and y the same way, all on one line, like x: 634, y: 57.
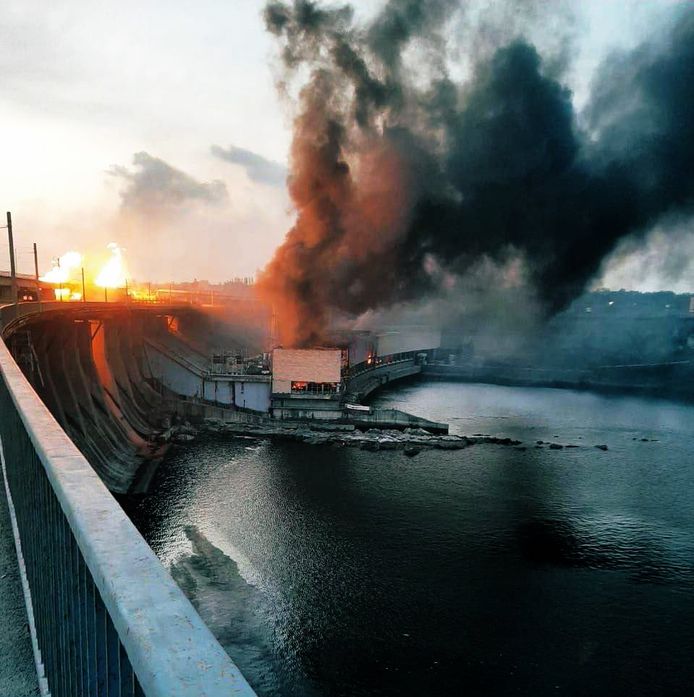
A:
x: 60, y: 289
x: 13, y: 270
x: 36, y: 275
x: 84, y: 292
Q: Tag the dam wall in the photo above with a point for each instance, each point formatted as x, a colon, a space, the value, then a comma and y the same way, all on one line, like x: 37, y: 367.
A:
x: 113, y: 375
x: 118, y: 376
x: 177, y: 366
x: 91, y: 374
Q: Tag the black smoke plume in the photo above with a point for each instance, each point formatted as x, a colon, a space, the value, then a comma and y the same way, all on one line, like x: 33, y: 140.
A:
x: 403, y: 180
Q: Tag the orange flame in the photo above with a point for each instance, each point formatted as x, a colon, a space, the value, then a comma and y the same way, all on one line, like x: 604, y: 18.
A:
x: 67, y: 294
x: 113, y: 273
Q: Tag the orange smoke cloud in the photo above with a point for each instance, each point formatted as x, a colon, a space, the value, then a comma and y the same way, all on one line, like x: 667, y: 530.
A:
x: 352, y: 206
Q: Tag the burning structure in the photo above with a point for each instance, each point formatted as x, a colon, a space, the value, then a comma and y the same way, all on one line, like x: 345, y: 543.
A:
x: 306, y: 371
x: 368, y: 346
x: 296, y: 385
x: 307, y: 383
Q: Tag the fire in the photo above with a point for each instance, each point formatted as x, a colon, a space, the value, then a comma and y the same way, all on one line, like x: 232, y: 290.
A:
x: 63, y: 267
x: 112, y: 274
x: 140, y: 295
x: 65, y: 294
x: 72, y: 277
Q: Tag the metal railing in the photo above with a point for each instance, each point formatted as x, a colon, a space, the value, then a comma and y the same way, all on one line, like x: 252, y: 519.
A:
x: 109, y: 619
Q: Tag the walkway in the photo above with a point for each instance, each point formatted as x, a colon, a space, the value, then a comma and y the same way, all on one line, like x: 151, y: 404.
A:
x: 17, y: 670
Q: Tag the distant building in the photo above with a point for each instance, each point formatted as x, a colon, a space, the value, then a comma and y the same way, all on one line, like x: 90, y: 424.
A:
x: 306, y: 371
x: 306, y: 384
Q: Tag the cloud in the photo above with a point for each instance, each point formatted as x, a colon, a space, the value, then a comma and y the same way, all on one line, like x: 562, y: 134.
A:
x: 157, y: 187
x: 174, y: 226
x: 257, y: 167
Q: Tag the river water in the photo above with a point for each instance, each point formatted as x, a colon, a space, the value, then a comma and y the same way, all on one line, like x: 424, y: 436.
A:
x: 486, y: 571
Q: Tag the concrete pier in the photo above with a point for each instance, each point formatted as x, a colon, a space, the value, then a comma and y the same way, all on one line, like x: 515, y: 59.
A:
x: 17, y: 671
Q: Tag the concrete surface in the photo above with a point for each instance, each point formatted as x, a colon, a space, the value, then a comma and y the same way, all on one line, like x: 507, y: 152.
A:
x: 17, y: 671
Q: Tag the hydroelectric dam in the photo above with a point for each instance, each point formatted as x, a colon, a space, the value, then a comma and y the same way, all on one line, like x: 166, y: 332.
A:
x: 91, y: 396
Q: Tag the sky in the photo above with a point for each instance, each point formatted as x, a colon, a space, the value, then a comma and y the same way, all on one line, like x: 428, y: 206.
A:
x: 157, y: 124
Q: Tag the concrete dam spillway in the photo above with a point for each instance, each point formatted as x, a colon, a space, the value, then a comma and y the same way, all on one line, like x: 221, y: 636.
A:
x: 91, y: 370
x: 92, y: 366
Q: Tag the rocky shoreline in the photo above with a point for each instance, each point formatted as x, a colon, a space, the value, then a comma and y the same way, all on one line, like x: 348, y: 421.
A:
x: 410, y: 440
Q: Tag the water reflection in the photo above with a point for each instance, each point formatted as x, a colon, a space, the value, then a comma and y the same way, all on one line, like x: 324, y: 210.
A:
x: 618, y: 544
x: 232, y: 608
x: 491, y: 570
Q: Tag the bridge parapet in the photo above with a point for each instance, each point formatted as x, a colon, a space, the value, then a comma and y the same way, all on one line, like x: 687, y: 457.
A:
x: 109, y: 619
x: 12, y: 316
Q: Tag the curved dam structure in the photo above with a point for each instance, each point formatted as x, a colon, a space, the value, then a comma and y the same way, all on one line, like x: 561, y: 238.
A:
x: 89, y: 365
x: 120, y: 378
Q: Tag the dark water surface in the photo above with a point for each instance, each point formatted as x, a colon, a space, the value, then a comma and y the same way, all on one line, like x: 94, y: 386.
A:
x: 485, y: 571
